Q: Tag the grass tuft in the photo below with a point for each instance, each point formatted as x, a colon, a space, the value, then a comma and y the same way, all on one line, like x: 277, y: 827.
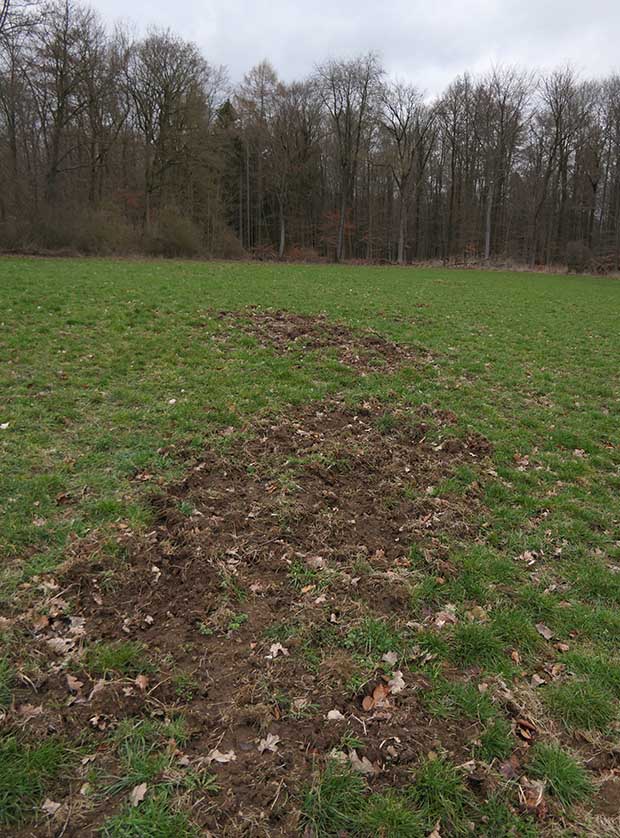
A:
x: 154, y: 818
x: 26, y: 772
x: 440, y: 795
x: 580, y: 704
x: 564, y: 776
x: 124, y: 658
x: 496, y: 741
x: 332, y: 805
x: 389, y: 815
x: 476, y: 645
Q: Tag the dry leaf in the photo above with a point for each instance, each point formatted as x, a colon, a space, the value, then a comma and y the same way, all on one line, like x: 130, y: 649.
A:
x: 511, y: 768
x: 525, y: 729
x: 396, y: 682
x: 276, y: 649
x: 363, y: 765
x: 443, y: 617
x: 390, y: 658
x: 269, y: 743
x: 26, y: 712
x: 315, y: 562
x: 61, y: 645
x: 142, y: 682
x: 537, y: 681
x: 218, y: 756
x: 532, y: 796
x: 544, y: 630
x: 138, y: 794
x: 98, y: 687
x: 74, y: 685
x: 50, y: 807
x: 379, y: 698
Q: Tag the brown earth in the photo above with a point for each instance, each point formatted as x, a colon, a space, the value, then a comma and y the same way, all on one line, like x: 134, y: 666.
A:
x: 293, y: 533
x: 285, y: 332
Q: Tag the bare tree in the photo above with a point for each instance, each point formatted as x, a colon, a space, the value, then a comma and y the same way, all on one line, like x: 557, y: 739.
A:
x: 170, y: 86
x: 349, y: 90
x: 409, y: 124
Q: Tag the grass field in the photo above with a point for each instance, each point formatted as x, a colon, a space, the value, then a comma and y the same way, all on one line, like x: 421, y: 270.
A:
x: 314, y: 550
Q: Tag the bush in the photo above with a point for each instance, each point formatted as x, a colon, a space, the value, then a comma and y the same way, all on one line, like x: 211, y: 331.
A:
x: 173, y: 235
x: 13, y: 235
x: 94, y: 232
x: 226, y: 244
x: 297, y: 253
x: 578, y: 257
x: 103, y: 232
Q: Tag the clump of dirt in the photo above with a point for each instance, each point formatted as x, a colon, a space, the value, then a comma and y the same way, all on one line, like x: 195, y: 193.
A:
x: 286, y: 331
x: 255, y: 593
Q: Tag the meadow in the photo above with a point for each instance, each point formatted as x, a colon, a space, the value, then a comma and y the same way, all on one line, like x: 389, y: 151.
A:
x: 308, y: 550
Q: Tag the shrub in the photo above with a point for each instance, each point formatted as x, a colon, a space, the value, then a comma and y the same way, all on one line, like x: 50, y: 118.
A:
x: 578, y: 257
x: 173, y: 235
x: 226, y: 245
x: 103, y: 232
x: 297, y: 253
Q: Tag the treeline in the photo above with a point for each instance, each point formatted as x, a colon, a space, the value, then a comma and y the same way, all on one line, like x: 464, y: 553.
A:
x: 110, y: 144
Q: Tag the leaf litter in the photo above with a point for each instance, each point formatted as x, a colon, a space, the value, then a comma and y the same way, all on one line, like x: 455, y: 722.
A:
x: 297, y: 502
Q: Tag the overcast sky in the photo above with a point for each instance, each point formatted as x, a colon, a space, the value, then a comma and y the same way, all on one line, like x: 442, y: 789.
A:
x: 428, y: 43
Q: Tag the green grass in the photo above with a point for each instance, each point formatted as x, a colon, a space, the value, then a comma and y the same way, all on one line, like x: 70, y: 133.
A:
x: 154, y: 818
x: 439, y: 792
x: 145, y: 756
x: 6, y: 683
x: 122, y: 658
x: 374, y: 638
x: 581, y: 704
x: 456, y: 699
x: 26, y: 774
x: 389, y: 816
x: 477, y: 645
x: 93, y: 354
x: 332, y: 805
x: 496, y: 741
x: 565, y: 778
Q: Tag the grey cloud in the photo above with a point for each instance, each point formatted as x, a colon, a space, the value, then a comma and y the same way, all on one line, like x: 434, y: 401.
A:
x: 426, y: 43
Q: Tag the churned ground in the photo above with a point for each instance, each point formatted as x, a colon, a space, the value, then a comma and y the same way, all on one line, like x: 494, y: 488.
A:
x: 308, y: 550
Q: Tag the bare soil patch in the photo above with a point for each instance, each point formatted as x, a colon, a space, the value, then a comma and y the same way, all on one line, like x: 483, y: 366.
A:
x: 286, y: 331
x: 247, y: 593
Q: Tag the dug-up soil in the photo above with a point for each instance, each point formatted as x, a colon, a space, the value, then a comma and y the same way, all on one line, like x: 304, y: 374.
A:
x: 284, y: 332
x: 279, y: 543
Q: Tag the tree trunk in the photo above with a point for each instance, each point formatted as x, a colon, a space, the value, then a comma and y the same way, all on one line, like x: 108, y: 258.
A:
x: 282, y: 232
x: 489, y: 215
x: 402, y: 230
x: 341, y: 224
